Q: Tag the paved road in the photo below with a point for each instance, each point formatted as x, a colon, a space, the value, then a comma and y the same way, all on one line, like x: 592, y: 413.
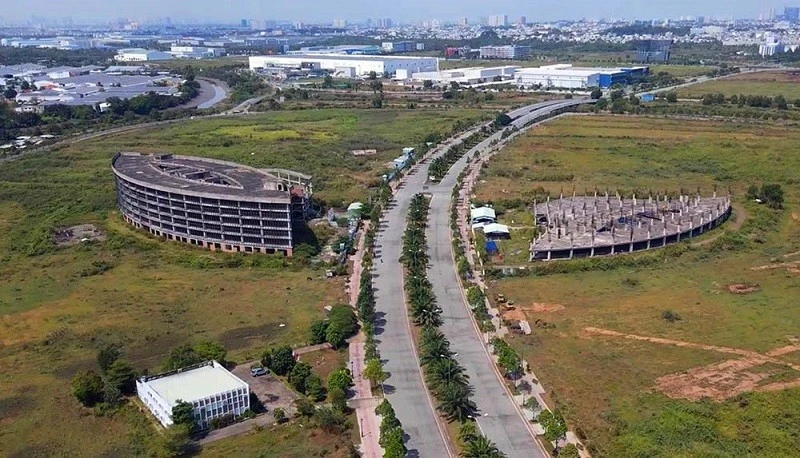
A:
x: 405, y: 388
x: 215, y: 93
x: 499, y: 418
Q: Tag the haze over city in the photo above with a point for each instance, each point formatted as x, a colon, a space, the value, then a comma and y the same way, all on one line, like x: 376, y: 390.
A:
x: 411, y: 10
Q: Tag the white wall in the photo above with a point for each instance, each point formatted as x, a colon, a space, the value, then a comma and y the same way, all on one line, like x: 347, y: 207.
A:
x: 378, y: 65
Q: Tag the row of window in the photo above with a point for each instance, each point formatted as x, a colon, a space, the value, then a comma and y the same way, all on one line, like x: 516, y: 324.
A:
x: 161, y: 197
x: 197, y: 220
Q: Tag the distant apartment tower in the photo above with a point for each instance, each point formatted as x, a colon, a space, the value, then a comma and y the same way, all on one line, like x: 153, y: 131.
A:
x: 498, y: 20
x: 510, y: 52
x: 791, y: 13
x: 771, y: 46
x: 522, y: 20
x: 653, y: 51
x: 463, y: 21
x: 384, y: 23
x: 244, y: 23
x: 339, y: 23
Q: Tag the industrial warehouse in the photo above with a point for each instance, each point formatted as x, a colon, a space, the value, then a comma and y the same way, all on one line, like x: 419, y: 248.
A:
x: 210, y: 203
x: 348, y: 65
x: 565, y: 76
x: 559, y: 76
x: 586, y: 226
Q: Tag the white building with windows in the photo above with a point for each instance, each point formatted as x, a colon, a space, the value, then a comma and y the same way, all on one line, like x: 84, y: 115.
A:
x: 210, y: 388
x: 361, y: 65
x: 141, y: 55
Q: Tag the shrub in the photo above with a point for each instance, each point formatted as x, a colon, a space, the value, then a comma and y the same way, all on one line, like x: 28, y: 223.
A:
x: 87, y: 387
x: 670, y: 316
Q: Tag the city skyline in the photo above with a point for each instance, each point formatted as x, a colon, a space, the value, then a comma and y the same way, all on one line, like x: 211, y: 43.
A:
x: 318, y: 11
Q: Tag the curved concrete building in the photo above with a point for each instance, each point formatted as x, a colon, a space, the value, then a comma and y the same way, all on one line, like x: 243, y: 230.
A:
x: 214, y: 204
x: 586, y: 226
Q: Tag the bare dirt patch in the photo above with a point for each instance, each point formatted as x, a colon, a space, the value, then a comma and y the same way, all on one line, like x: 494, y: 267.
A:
x: 723, y: 380
x: 73, y: 235
x: 743, y: 288
x: 543, y: 307
x: 777, y: 265
x: 716, y: 381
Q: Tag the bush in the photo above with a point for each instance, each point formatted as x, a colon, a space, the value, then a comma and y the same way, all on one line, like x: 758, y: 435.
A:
x: 298, y: 377
x: 318, y: 332
x: 279, y: 415
x: 342, y: 323
x: 87, y: 387
x: 670, y: 316
x: 279, y: 360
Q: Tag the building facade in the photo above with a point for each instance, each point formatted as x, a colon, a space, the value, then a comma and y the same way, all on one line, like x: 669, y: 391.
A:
x: 653, y: 51
x: 361, y: 65
x: 505, y: 52
x: 210, y: 203
x: 211, y: 389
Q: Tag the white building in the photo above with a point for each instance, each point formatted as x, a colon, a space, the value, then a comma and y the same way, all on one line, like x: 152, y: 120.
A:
x: 141, y: 55
x: 210, y: 388
x: 361, y: 65
x: 482, y: 215
x: 771, y: 46
x: 472, y: 75
x: 498, y: 20
x: 195, y: 52
x: 557, y: 76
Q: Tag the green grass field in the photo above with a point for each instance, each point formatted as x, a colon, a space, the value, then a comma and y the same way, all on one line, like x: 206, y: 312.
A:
x: 56, y: 311
x: 284, y: 441
x: 316, y: 142
x: 608, y: 386
x: 770, y: 84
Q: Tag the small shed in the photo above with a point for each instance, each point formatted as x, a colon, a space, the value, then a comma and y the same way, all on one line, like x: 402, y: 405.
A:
x: 354, y: 210
x: 482, y: 215
x: 496, y: 231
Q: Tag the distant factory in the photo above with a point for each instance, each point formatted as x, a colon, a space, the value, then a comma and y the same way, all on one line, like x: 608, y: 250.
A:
x: 348, y: 65
x: 565, y: 76
x: 561, y: 76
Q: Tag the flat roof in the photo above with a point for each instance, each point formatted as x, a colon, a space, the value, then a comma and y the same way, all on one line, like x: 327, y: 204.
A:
x: 343, y: 57
x: 196, y: 175
x: 195, y: 384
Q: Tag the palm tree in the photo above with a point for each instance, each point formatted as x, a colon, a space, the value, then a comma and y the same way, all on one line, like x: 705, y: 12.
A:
x: 430, y: 315
x: 481, y: 447
x: 455, y: 402
x: 446, y: 373
x: 434, y: 348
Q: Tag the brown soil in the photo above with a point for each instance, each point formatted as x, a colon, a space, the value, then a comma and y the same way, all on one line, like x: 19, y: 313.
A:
x: 722, y: 380
x: 716, y: 381
x: 73, y: 235
x: 542, y: 308
x: 513, y: 315
x: 743, y: 288
x: 778, y: 265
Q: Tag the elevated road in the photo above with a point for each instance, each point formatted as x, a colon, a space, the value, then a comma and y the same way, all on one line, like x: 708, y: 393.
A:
x: 502, y: 422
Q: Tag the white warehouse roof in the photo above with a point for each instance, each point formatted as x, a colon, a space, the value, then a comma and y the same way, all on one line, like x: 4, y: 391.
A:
x: 482, y: 212
x: 197, y: 383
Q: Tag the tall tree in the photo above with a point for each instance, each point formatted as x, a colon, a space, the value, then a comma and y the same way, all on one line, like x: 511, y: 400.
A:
x: 373, y: 371
x: 183, y: 414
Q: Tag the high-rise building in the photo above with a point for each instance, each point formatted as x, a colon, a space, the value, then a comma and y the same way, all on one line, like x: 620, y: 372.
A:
x: 384, y: 23
x: 244, y: 23
x: 653, y: 51
x: 791, y: 13
x: 338, y: 23
x: 463, y: 21
x: 505, y: 52
x: 498, y: 20
x: 522, y: 20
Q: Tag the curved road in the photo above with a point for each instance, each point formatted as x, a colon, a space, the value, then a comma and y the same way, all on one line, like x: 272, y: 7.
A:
x: 503, y: 422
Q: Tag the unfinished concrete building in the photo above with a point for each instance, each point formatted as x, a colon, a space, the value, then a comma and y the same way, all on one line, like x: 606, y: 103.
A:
x: 585, y: 226
x: 210, y: 203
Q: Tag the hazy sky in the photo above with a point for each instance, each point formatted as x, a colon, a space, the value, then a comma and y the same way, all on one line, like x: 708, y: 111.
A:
x: 399, y: 10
